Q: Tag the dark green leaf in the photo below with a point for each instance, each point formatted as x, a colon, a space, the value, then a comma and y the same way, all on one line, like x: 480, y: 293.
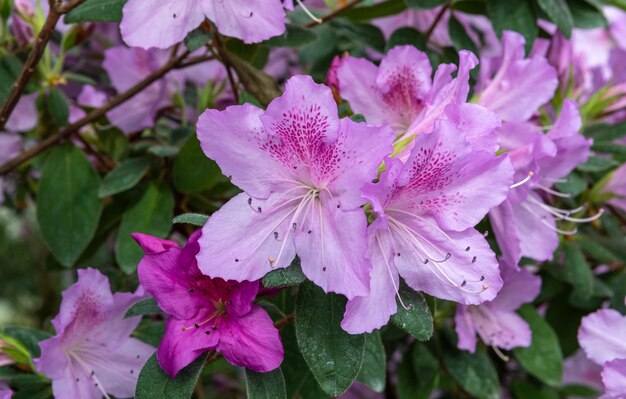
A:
x: 124, y: 177
x: 58, y: 106
x: 424, y: 4
x: 29, y: 337
x: 265, y: 385
x: 373, y: 371
x: 294, y: 37
x: 68, y: 205
x: 587, y: 14
x: 574, y: 184
x: 578, y: 270
x: 333, y: 355
x: 151, y: 214
x: 191, y: 218
x: 193, y: 172
x: 543, y: 358
x: 474, y: 372
x: 605, y: 132
x: 597, y: 164
x: 576, y: 390
x: 197, y: 38
x: 10, y: 68
x: 153, y: 383
x: 520, y: 18
x: 459, y: 37
x: 418, y: 373
x: 558, y: 11
x: 382, y: 9
x: 147, y: 306
x: 365, y: 34
x: 416, y: 321
x: 291, y: 275
x: 404, y: 36
x: 96, y: 11
x: 470, y: 6
x: 299, y: 379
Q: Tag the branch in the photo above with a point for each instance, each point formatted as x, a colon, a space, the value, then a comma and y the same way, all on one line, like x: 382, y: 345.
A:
x: 173, y: 63
x: 438, y: 18
x: 54, y: 14
x: 334, y: 14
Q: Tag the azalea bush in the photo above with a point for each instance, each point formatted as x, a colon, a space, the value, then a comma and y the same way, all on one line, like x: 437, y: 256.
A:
x: 312, y: 199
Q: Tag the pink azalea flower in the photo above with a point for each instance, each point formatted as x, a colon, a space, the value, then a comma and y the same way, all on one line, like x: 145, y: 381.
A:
x: 597, y: 336
x: 525, y: 224
x: 92, y: 354
x: 426, y: 210
x: 617, y: 187
x: 496, y: 321
x: 514, y: 86
x: 249, y: 20
x: 5, y: 391
x: 205, y: 313
x: 400, y: 92
x: 301, y: 168
x: 10, y: 145
x: 578, y: 369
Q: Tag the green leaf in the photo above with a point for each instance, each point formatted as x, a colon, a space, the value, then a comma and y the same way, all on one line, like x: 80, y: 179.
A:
x: 286, y: 277
x: 578, y: 270
x: 10, y: 68
x: 597, y: 164
x: 365, y: 34
x: 334, y: 356
x: 153, y: 383
x: 520, y: 18
x: 404, y: 36
x: 293, y: 37
x: 416, y: 321
x: 298, y: 377
x: 459, y: 36
x: 605, y: 132
x: 543, y: 358
x: 424, y: 4
x: 147, y: 306
x: 265, y: 385
x: 374, y: 369
x: 197, y: 38
x: 58, y: 106
x: 96, y: 11
x: 124, y: 177
x: 574, y: 184
x: 587, y: 14
x: 382, y: 9
x: 151, y: 214
x: 68, y: 207
x: 29, y: 337
x: 195, y: 219
x: 559, y: 13
x: 193, y: 172
x: 474, y: 372
x: 418, y: 373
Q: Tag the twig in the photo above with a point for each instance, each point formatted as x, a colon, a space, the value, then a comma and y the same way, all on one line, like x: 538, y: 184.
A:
x: 438, y: 18
x: 228, y: 66
x: 173, y: 63
x: 54, y: 14
x: 105, y: 161
x: 334, y: 13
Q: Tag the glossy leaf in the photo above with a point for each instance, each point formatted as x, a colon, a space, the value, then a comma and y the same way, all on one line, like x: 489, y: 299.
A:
x: 96, y: 11
x: 291, y: 275
x: 474, y: 372
x: 153, y: 383
x: 374, y: 370
x: 417, y: 320
x: 265, y: 385
x: 124, y: 177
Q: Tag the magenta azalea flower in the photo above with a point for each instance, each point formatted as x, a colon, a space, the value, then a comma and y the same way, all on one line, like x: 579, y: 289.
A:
x: 597, y: 336
x: 301, y: 168
x: 425, y: 213
x: 495, y: 321
x: 205, y: 313
x: 92, y: 354
x: 525, y: 224
x: 401, y: 92
x: 520, y: 85
x: 249, y: 20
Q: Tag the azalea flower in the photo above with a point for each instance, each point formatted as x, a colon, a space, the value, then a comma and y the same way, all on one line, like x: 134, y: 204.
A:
x: 426, y: 210
x: 5, y: 391
x: 616, y: 186
x: 525, y: 224
x: 205, y: 313
x: 249, y: 20
x: 92, y: 354
x: 496, y: 321
x: 597, y: 336
x: 301, y: 169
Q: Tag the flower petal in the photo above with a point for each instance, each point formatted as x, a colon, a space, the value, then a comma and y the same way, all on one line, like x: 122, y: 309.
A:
x: 536, y: 227
x: 465, y: 329
x: 520, y: 287
x: 153, y: 245
x: 614, y: 378
x: 509, y: 332
x: 251, y: 341
x: 502, y: 220
x: 174, y: 18
x: 601, y: 335
x: 357, y: 84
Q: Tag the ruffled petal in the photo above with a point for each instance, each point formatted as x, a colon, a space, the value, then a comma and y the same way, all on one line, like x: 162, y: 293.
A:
x: 601, y: 335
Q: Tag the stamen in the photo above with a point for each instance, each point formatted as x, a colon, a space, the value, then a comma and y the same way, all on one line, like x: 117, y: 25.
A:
x: 524, y: 181
x: 393, y: 281
x: 306, y: 10
x: 553, y: 192
x: 501, y: 355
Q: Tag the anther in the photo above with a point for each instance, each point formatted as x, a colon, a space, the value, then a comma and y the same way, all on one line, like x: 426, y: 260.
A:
x: 482, y: 278
x: 207, y: 332
x: 259, y: 209
x: 214, y: 327
x: 132, y: 371
x: 426, y: 261
x: 276, y: 235
x: 463, y: 283
x: 294, y: 226
x: 474, y: 259
x: 398, y: 254
x: 196, y: 325
x: 324, y: 268
x: 271, y: 260
x: 523, y: 181
x: 190, y: 290
x: 309, y: 232
x: 250, y: 201
x: 467, y: 249
x: 236, y: 259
